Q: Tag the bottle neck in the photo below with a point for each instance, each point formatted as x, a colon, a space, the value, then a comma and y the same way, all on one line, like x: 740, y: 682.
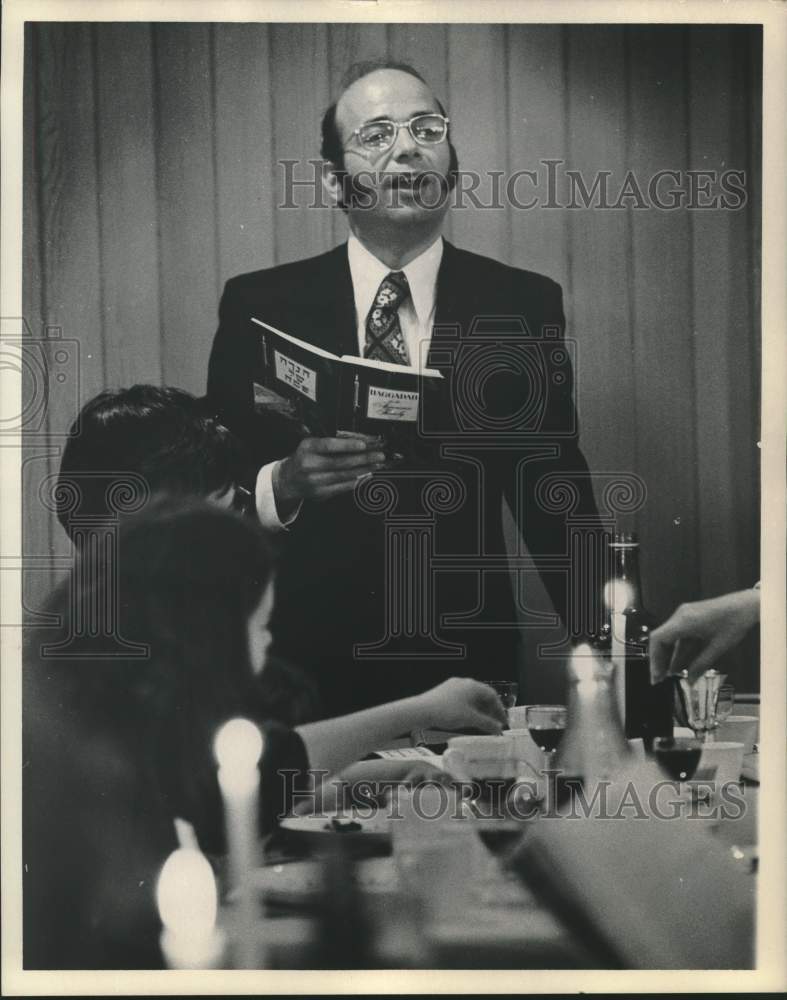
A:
x: 625, y: 568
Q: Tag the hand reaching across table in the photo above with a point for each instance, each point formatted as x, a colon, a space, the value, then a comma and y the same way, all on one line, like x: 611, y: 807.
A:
x: 456, y: 704
x: 462, y: 703
x: 697, y: 634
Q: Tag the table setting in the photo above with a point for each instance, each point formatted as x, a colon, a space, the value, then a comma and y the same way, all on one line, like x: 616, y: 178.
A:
x: 492, y: 858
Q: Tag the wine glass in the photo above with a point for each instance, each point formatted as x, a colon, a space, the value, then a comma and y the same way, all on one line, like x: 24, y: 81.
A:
x: 699, y: 701
x: 725, y: 702
x: 678, y: 756
x: 506, y: 692
x: 546, y: 724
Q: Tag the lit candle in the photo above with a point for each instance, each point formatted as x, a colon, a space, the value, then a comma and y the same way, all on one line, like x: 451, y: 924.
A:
x: 617, y: 595
x: 238, y: 748
x: 186, y: 898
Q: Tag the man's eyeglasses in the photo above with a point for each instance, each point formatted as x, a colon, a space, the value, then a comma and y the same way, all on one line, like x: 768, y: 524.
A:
x: 378, y: 136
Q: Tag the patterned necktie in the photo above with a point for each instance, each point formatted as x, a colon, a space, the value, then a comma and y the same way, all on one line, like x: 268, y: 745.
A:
x: 384, y: 340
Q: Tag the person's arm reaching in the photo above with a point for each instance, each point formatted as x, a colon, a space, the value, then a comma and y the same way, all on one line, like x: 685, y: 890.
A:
x: 697, y: 634
x: 455, y: 704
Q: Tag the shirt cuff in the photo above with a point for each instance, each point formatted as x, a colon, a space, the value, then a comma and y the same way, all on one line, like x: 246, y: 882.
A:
x: 266, y: 501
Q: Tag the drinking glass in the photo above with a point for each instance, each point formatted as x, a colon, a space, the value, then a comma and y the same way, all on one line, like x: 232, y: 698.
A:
x: 678, y: 756
x: 725, y: 702
x: 506, y: 692
x: 547, y: 724
x: 699, y: 700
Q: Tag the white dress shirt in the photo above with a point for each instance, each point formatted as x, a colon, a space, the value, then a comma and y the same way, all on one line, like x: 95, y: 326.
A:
x: 416, y: 317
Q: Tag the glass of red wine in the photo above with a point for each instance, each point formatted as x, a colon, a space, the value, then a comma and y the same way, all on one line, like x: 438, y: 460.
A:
x: 678, y: 755
x: 546, y: 724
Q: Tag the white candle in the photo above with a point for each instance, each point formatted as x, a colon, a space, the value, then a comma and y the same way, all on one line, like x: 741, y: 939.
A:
x: 187, y: 900
x: 238, y: 749
x: 618, y: 597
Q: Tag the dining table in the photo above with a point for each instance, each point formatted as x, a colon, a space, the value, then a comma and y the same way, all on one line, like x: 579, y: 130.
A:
x: 526, y: 900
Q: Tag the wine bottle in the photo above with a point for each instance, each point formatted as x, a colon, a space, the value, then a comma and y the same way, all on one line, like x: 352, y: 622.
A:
x: 646, y: 709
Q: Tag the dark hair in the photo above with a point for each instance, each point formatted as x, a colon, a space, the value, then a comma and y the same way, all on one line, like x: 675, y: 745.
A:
x: 186, y: 580
x: 164, y: 436
x: 331, y: 148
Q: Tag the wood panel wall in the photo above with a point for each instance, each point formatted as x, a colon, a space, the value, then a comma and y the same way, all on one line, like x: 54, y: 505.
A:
x: 152, y: 175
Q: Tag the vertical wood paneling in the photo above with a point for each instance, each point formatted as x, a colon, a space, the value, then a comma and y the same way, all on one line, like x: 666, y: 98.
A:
x: 425, y: 48
x: 246, y: 176
x: 36, y: 525
x: 69, y: 202
x: 33, y: 273
x: 69, y: 228
x: 187, y: 201
x: 299, y: 60
x: 597, y: 244
x: 476, y: 72
x: 352, y: 43
x: 537, y: 131
x: 152, y: 153
x: 718, y: 313
x: 129, y: 207
x: 727, y: 468
x: 663, y: 324
x: 743, y: 338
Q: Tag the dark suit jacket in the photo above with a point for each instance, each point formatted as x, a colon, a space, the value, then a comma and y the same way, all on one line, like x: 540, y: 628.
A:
x: 504, y: 418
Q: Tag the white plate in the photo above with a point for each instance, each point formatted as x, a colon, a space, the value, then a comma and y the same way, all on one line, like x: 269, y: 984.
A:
x: 349, y: 823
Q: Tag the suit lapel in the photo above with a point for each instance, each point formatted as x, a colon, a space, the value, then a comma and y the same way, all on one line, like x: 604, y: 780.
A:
x: 329, y: 306
x: 455, y: 306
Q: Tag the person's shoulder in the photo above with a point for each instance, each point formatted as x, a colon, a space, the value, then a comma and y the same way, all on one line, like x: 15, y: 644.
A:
x: 491, y: 270
x: 295, y: 273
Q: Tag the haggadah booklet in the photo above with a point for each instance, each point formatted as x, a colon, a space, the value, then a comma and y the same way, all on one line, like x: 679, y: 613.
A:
x: 330, y: 394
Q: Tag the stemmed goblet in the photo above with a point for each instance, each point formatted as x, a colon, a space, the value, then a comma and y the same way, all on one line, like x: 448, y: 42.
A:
x: 546, y: 723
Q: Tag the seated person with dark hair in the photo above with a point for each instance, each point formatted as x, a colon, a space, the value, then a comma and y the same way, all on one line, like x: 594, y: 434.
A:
x: 125, y: 743
x: 158, y: 438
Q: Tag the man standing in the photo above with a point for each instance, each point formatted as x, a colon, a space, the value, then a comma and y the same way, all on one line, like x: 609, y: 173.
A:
x: 383, y: 591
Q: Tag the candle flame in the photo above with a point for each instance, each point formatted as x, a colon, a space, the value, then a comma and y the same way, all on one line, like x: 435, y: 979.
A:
x: 238, y: 746
x: 186, y: 894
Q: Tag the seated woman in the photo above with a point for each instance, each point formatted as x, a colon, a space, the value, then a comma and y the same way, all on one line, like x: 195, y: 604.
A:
x: 119, y: 746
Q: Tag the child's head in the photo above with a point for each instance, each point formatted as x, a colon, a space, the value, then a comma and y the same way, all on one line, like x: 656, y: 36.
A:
x: 162, y: 435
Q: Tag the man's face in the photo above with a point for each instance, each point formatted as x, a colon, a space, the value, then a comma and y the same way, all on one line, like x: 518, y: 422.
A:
x: 410, y: 179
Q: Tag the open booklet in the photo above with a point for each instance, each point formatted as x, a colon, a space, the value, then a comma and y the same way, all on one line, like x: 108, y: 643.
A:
x: 330, y: 394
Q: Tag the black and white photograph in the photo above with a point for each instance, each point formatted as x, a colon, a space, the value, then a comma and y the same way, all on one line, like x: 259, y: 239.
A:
x: 393, y: 460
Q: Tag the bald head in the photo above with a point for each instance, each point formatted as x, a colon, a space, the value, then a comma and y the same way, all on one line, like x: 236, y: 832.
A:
x: 383, y: 93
